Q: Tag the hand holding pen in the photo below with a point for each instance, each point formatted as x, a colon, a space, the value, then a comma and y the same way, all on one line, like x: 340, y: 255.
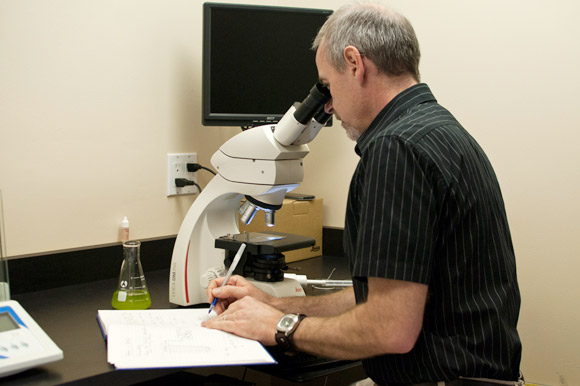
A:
x: 230, y: 272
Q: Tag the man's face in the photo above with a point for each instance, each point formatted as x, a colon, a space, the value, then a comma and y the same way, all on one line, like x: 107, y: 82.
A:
x: 342, y: 104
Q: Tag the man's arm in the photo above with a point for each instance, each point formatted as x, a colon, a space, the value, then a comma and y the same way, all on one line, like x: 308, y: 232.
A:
x: 389, y: 322
x: 238, y: 288
x: 322, y: 305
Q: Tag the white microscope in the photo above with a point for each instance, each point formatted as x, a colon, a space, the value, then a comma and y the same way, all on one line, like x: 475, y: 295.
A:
x: 261, y: 164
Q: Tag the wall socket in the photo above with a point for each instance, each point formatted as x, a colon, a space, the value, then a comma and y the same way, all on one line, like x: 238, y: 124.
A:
x: 177, y: 168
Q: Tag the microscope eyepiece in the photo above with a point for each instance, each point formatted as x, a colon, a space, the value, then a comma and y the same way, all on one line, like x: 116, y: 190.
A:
x: 321, y: 116
x: 316, y: 99
x: 303, y: 121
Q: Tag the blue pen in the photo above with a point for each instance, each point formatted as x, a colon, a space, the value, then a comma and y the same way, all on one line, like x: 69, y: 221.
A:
x: 230, y: 271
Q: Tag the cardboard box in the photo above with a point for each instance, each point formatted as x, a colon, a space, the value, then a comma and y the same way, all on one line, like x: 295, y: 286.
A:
x: 297, y: 217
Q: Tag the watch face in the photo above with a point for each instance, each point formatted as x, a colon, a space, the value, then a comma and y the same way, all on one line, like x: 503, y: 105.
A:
x: 287, y: 322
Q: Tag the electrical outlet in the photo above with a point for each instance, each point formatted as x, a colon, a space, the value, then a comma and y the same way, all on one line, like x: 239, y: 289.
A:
x: 177, y: 168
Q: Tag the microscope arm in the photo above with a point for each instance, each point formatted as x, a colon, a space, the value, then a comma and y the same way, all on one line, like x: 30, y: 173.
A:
x: 214, y: 212
x: 263, y: 164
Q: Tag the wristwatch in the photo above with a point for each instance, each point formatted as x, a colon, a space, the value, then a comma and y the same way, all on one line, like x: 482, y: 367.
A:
x: 285, y: 329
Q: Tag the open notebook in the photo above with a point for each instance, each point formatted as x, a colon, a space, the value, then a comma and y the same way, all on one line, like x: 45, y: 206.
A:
x: 173, y: 338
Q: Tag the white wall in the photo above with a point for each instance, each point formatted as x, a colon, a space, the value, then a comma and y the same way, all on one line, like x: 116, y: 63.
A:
x: 94, y: 94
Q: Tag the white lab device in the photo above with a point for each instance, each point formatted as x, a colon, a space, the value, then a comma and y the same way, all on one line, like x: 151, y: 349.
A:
x: 23, y: 344
x: 262, y: 164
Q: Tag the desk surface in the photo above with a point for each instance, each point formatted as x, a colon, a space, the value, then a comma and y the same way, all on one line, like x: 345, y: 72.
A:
x: 68, y: 315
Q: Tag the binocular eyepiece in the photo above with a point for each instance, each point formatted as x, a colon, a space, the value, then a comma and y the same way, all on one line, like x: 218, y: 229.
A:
x: 313, y: 106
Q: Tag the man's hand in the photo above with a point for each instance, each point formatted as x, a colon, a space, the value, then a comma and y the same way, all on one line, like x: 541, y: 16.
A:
x: 236, y: 289
x: 248, y: 318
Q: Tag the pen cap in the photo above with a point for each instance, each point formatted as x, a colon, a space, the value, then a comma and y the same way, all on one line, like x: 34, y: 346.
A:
x: 212, y: 273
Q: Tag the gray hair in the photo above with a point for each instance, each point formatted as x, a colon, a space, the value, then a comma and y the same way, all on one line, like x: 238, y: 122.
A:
x: 382, y: 35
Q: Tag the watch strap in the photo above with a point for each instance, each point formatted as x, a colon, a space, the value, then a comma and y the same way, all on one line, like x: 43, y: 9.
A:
x: 285, y: 339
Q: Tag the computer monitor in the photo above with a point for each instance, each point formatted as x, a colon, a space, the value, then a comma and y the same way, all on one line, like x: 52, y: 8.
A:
x: 257, y: 61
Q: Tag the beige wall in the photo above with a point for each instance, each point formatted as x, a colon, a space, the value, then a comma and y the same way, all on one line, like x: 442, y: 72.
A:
x: 94, y: 94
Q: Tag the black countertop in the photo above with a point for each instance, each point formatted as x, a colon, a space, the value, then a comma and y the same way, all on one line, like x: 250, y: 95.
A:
x: 68, y: 316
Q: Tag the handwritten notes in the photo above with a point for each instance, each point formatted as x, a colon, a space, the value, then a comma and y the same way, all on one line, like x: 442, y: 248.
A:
x: 173, y: 338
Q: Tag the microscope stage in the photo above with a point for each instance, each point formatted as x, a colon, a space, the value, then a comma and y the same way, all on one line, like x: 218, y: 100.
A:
x: 264, y: 243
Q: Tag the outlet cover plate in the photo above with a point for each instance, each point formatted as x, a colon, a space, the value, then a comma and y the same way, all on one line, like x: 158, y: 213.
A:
x: 177, y: 168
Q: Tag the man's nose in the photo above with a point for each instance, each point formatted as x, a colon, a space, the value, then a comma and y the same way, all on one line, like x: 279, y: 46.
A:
x: 328, y: 108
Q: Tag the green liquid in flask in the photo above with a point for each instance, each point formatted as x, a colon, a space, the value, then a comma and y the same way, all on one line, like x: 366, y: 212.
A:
x: 132, y: 292
x: 131, y: 300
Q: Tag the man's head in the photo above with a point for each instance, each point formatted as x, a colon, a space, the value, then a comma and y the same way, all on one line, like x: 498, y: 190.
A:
x: 382, y: 35
x: 366, y: 54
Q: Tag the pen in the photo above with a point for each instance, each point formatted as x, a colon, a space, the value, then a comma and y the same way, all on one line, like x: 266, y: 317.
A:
x: 230, y: 271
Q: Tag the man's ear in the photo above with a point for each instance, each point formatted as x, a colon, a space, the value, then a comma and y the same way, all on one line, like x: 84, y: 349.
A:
x: 354, y: 62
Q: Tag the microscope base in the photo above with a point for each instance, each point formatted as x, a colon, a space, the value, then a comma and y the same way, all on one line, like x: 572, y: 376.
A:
x: 280, y: 289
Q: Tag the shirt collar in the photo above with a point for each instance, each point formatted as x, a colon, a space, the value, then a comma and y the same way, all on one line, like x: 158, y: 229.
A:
x: 413, y: 96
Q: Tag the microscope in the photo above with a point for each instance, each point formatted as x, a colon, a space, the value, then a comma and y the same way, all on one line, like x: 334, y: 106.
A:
x: 255, y: 169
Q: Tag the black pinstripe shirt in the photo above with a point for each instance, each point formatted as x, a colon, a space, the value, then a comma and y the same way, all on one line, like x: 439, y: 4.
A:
x: 425, y: 206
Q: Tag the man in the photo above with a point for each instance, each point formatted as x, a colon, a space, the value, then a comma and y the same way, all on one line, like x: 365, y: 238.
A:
x: 435, y: 295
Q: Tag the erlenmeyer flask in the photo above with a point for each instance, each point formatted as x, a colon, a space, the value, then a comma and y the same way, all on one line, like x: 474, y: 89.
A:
x: 132, y: 292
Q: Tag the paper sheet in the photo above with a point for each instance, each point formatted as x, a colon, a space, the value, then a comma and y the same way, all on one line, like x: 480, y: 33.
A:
x: 173, y: 338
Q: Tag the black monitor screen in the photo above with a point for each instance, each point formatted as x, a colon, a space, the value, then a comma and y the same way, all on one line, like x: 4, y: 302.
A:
x: 257, y: 61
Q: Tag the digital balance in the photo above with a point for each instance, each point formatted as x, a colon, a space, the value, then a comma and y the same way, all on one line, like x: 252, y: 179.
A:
x: 23, y: 344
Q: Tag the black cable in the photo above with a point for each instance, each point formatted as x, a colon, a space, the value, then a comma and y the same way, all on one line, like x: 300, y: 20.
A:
x: 181, y: 182
x: 195, y: 167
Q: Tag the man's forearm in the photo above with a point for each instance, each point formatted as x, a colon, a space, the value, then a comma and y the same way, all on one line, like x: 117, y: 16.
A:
x: 388, y: 322
x: 323, y: 305
x: 333, y: 337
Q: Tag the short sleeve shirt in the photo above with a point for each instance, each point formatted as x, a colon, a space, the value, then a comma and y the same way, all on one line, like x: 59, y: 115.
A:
x: 425, y: 206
